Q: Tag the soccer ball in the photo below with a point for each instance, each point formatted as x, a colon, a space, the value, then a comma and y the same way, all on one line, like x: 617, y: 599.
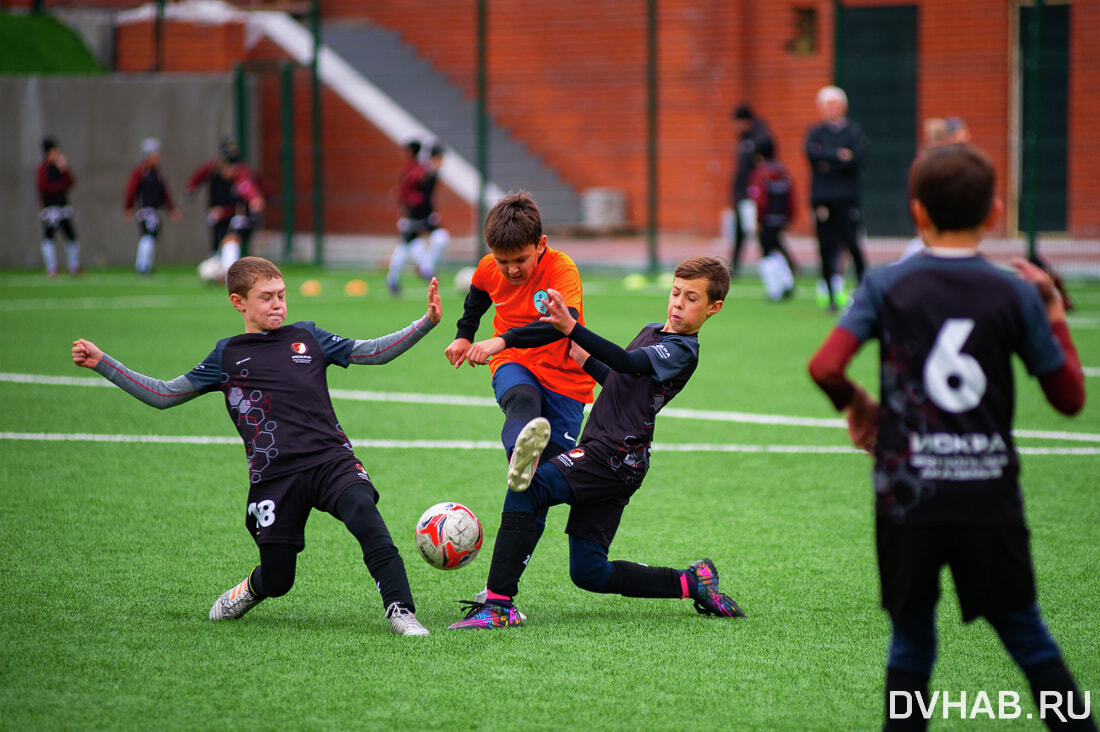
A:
x: 463, y: 278
x: 210, y: 270
x: 448, y: 536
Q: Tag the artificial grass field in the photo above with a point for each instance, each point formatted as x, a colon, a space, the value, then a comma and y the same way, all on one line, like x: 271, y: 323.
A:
x: 111, y: 552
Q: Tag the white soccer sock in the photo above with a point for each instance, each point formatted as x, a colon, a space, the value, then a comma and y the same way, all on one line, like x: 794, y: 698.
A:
x: 437, y: 243
x: 231, y: 252
x: 770, y: 277
x: 49, y: 255
x: 397, y: 262
x: 145, y: 252
x: 72, y: 253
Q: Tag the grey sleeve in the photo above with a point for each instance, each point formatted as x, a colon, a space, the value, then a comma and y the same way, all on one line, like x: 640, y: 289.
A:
x: 388, y: 347
x: 154, y: 392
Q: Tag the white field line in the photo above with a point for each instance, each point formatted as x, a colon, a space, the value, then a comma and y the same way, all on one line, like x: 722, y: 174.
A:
x: 468, y: 401
x: 484, y: 444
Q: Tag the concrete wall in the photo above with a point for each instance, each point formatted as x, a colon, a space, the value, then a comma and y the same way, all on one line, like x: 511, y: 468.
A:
x: 100, y: 122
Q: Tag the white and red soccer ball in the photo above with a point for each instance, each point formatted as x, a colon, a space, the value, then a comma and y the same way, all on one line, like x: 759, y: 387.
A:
x: 448, y: 535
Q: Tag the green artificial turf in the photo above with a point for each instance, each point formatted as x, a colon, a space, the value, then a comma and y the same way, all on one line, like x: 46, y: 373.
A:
x: 111, y: 553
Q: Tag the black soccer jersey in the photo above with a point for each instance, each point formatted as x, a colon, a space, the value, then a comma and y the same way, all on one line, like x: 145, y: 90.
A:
x: 619, y: 431
x: 276, y: 393
x: 947, y: 329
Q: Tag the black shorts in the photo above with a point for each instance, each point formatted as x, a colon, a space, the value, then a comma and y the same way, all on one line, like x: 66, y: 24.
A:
x: 598, y: 498
x: 990, y: 564
x: 278, y: 508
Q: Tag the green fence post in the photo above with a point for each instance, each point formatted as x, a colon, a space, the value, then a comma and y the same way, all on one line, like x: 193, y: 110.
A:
x: 651, y: 131
x: 286, y: 158
x: 315, y: 118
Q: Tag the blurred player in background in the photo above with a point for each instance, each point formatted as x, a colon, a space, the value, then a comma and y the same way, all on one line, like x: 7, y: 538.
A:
x: 299, y: 459
x: 751, y: 130
x: 946, y: 472
x: 772, y: 191
x: 146, y: 193
x: 54, y: 181
x: 419, y: 219
x: 835, y: 148
x: 235, y: 200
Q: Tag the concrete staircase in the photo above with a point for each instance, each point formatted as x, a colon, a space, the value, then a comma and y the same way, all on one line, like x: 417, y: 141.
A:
x: 395, y: 67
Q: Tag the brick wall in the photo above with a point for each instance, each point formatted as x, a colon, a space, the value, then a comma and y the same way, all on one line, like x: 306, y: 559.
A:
x: 569, y: 80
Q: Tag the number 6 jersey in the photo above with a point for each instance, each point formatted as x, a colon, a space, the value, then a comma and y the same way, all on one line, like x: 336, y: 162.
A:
x: 947, y: 328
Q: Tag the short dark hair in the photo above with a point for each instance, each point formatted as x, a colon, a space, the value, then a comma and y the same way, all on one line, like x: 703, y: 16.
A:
x: 513, y: 223
x: 955, y: 184
x: 712, y: 269
x: 437, y: 150
x: 246, y: 272
x: 413, y: 146
x: 48, y: 143
x: 743, y: 111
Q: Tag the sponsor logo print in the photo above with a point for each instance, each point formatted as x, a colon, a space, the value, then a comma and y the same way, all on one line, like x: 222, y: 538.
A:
x: 661, y: 351
x: 300, y: 356
x: 568, y: 436
x: 541, y: 299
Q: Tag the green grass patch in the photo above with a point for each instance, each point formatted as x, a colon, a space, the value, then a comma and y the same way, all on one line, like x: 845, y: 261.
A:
x: 111, y: 553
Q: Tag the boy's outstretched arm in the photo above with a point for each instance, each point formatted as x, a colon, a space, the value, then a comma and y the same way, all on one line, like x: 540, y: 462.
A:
x: 476, y: 304
x: 614, y: 356
x: 827, y: 369
x: 154, y: 392
x: 388, y: 347
x: 1064, y: 387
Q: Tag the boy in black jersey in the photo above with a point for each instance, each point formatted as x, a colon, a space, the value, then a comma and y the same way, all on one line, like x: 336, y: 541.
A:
x: 276, y: 393
x: 946, y: 473
x: 598, y: 476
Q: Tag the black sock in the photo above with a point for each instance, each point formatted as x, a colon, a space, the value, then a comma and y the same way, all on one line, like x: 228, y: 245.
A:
x: 1053, y: 676
x: 901, y: 680
x: 515, y: 542
x: 630, y: 579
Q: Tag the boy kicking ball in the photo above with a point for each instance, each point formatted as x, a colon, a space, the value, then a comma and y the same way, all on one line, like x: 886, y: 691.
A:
x: 598, y: 476
x: 273, y: 378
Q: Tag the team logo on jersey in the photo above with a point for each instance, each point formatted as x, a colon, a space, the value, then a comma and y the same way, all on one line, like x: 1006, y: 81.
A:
x: 576, y: 453
x: 541, y: 300
x: 298, y: 348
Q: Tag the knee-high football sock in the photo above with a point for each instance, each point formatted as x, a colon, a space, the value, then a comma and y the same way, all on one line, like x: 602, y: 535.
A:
x: 515, y: 542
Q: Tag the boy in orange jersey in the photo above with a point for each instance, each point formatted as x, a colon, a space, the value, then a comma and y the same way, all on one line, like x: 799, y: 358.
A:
x: 533, y: 375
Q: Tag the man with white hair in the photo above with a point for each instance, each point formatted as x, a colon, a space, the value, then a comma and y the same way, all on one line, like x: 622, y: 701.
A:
x: 147, y: 193
x: 836, y: 148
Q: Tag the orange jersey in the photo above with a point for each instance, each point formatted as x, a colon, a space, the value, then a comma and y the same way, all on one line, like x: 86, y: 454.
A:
x: 515, y: 306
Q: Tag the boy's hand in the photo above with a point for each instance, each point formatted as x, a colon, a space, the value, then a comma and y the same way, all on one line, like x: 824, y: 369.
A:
x: 1037, y: 276
x: 557, y: 314
x: 480, y: 352
x: 456, y: 352
x: 578, y: 354
x: 86, y: 354
x: 862, y: 416
x: 435, y: 305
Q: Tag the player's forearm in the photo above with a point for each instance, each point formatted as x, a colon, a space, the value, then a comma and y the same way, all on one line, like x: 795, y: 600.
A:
x: 1065, y: 387
x: 597, y: 369
x: 827, y: 367
x: 476, y: 304
x: 388, y: 347
x: 534, y: 334
x: 614, y: 356
x: 154, y: 392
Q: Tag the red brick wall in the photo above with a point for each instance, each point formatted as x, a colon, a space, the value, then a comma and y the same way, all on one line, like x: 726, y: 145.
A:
x: 186, y: 46
x: 568, y: 79
x: 1084, y: 120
